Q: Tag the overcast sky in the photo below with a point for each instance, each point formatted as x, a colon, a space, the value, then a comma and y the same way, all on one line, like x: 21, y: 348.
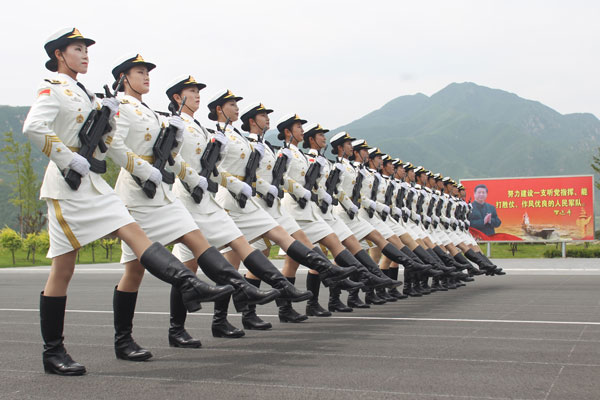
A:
x: 330, y: 61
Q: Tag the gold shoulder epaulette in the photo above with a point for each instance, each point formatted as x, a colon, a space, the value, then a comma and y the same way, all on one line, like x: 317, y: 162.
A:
x: 124, y: 101
x: 54, y: 81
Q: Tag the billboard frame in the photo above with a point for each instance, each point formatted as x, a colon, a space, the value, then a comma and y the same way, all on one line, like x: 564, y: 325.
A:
x: 548, y: 176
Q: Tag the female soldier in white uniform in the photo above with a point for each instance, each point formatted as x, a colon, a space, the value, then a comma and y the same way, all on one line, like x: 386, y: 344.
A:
x: 255, y: 120
x: 354, y: 179
x: 216, y: 225
x: 92, y: 210
x: 162, y: 216
x: 314, y: 139
x: 238, y: 199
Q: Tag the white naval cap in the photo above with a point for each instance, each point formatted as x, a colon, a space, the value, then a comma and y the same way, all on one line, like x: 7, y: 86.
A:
x: 374, y: 152
x: 181, y: 82
x: 286, y: 121
x: 221, y: 97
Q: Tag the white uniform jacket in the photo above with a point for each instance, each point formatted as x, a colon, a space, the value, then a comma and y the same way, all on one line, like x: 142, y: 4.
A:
x: 138, y: 128
x: 295, y: 186
x: 195, y: 142
x: 232, y: 172
x: 53, y: 125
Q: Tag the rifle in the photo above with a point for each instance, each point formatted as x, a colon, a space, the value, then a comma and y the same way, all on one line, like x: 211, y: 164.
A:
x: 439, y: 205
x: 331, y: 188
x: 389, y: 193
x: 278, y: 171
x: 356, y: 192
x: 400, y: 197
x: 429, y: 211
x: 90, y: 135
x: 162, y: 155
x: 310, y: 182
x: 250, y: 176
x: 208, y: 164
x: 373, y: 195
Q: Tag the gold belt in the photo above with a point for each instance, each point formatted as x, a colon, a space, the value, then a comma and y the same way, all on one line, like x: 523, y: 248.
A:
x: 73, y: 149
x: 150, y: 159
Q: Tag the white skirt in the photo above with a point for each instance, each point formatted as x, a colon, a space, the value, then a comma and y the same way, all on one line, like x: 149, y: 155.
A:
x: 338, y: 227
x: 359, y: 227
x: 284, y: 220
x: 396, y: 227
x: 316, y: 229
x: 218, y: 229
x: 417, y: 230
x: 253, y: 224
x: 163, y: 224
x: 74, y: 223
x: 377, y: 223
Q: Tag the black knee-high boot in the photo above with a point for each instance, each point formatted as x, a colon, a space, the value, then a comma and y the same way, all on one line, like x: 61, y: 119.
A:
x: 55, y: 358
x: 250, y: 320
x: 166, y: 267
x: 261, y: 266
x: 217, y: 268
x: 220, y: 326
x: 393, y: 274
x: 178, y: 336
x: 459, y: 257
x: 124, y: 309
x: 335, y: 304
x: 313, y: 308
x: 286, y: 311
x: 315, y: 259
x: 408, y: 284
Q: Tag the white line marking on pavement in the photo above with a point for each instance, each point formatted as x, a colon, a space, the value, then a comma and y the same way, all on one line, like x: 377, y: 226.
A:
x: 500, y: 321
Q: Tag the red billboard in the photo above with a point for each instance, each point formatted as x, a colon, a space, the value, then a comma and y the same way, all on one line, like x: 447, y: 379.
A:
x: 553, y: 208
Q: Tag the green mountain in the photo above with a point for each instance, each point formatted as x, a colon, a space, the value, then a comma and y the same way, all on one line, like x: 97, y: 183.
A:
x: 464, y: 131
x: 471, y: 131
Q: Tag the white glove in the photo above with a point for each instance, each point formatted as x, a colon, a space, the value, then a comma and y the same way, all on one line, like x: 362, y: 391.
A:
x: 397, y: 211
x: 273, y: 191
x: 79, y: 164
x: 353, y: 209
x: 323, y: 195
x: 260, y: 147
x: 202, y: 183
x: 406, y: 211
x: 176, y: 122
x: 385, y: 210
x: 246, y: 190
x: 219, y: 137
x: 112, y: 103
x: 436, y: 219
x: 322, y: 161
x: 417, y: 217
x: 288, y: 153
x: 371, y: 205
x: 339, y: 166
x: 427, y: 219
x: 155, y: 176
x: 306, y: 194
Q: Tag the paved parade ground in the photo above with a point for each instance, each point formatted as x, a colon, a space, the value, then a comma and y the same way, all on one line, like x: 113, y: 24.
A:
x: 532, y: 334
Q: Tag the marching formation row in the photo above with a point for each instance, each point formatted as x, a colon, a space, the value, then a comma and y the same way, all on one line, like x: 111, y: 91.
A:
x: 224, y: 197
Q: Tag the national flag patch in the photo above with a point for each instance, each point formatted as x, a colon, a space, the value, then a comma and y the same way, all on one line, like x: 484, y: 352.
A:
x: 44, y: 92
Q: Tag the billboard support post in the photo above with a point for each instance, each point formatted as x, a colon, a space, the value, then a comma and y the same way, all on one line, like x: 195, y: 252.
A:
x: 488, y: 249
x: 564, y: 249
